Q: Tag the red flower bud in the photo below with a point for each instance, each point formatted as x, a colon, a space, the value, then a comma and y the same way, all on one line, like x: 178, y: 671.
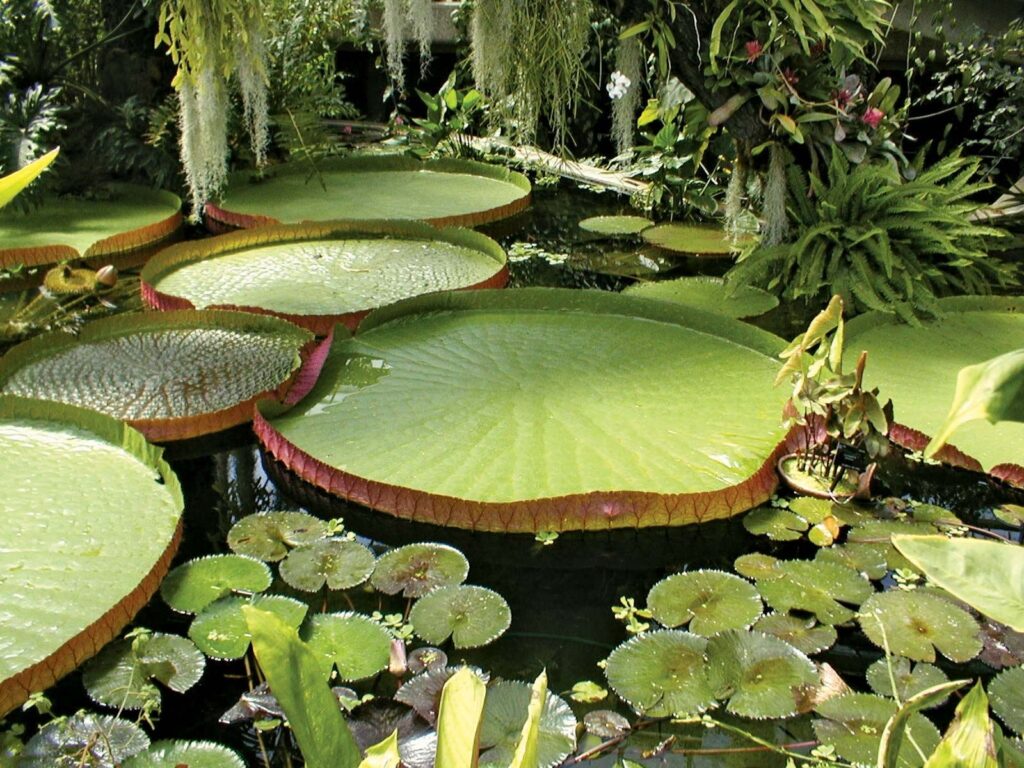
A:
x: 872, y: 117
x: 754, y: 49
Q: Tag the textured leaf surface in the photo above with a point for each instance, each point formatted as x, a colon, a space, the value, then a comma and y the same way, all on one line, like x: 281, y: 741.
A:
x: 192, y: 586
x: 336, y: 563
x: 1007, y: 694
x: 120, y: 675
x: 970, y: 739
x: 917, y: 367
x: 97, y: 741
x: 690, y: 239
x: 415, y: 569
x: 354, y: 644
x: 710, y: 294
x: 221, y: 631
x: 776, y: 523
x: 75, y: 566
x: 662, y: 673
x: 471, y: 616
x: 916, y: 624
x: 910, y: 680
x: 824, y: 589
x: 469, y: 408
x: 616, y: 225
x: 854, y: 724
x: 806, y: 635
x: 459, y: 720
x: 268, y: 536
x: 710, y: 601
x: 193, y: 754
x: 505, y: 715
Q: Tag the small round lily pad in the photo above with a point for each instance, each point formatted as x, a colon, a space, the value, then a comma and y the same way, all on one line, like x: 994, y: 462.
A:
x: 910, y: 679
x: 606, y: 724
x: 336, y: 563
x: 915, y: 624
x: 415, y: 569
x: 193, y: 754
x: 472, y: 616
x: 354, y: 644
x: 221, y: 631
x: 616, y: 226
x: 806, y: 635
x: 505, y: 711
x: 1006, y: 692
x: 824, y: 589
x: 757, y: 565
x: 776, y: 523
x: 708, y: 293
x: 853, y: 724
x: 662, y: 673
x: 67, y: 743
x: 269, y: 535
x: 120, y: 675
x: 710, y: 601
x: 692, y: 239
x: 194, y: 585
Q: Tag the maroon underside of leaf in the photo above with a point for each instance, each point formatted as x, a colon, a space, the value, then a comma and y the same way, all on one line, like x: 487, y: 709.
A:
x: 86, y: 644
x: 1009, y: 473
x: 584, y: 511
x: 913, y: 440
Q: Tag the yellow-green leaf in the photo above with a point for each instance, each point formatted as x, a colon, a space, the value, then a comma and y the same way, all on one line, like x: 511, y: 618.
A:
x: 384, y: 754
x: 459, y: 720
x: 970, y: 741
x: 13, y: 183
x: 526, y: 749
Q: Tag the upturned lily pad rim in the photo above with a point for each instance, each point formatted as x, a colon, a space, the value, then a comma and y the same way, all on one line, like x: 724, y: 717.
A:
x: 41, y: 675
x: 747, y: 296
x: 171, y: 429
x: 182, y: 254
x: 222, y: 218
x: 582, y: 511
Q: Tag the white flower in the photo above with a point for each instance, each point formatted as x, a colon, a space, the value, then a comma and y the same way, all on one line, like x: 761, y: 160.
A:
x: 617, y: 85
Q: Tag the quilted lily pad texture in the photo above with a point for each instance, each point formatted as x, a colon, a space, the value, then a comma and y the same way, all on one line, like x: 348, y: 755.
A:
x: 68, y: 471
x: 662, y: 673
x: 529, y: 410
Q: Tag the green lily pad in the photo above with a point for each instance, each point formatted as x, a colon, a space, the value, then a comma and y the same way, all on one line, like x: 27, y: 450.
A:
x: 875, y: 537
x: 917, y: 367
x: 444, y: 192
x: 616, y: 226
x: 120, y: 675
x: 336, y: 563
x: 776, y: 523
x: 170, y: 375
x: 471, y: 616
x: 193, y: 754
x: 355, y: 645
x: 915, y: 624
x: 910, y: 680
x: 1006, y: 693
x: 758, y: 673
x: 757, y: 565
x: 221, y: 632
x: 488, y: 415
x: 708, y: 293
x: 854, y: 724
x: 269, y: 535
x: 91, y: 520
x: 806, y: 635
x: 83, y: 740
x: 691, y: 239
x: 869, y: 560
x: 710, y: 601
x: 317, y: 275
x: 505, y: 711
x: 194, y: 585
x: 662, y: 673
x: 415, y: 569
x: 824, y: 589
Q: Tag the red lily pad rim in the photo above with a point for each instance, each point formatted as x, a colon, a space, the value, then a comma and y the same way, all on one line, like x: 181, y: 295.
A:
x: 194, y: 251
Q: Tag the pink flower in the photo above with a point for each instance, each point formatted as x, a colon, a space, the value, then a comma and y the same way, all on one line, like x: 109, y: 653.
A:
x: 872, y: 117
x: 399, y: 120
x: 791, y: 77
x: 754, y: 49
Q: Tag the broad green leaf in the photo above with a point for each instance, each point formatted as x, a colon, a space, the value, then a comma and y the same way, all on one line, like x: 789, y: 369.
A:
x: 354, y: 644
x: 83, y: 740
x: 896, y: 728
x: 616, y: 226
x: 691, y: 239
x: 709, y: 601
x: 459, y: 720
x: 708, y: 293
x: 416, y: 569
x: 471, y: 616
x: 662, y: 673
x: 506, y: 717
x: 221, y: 630
x: 269, y: 535
x: 970, y: 740
x: 13, y: 183
x: 193, y: 754
x: 384, y: 754
x: 1007, y: 693
x: 987, y: 575
x: 293, y: 673
x: 336, y: 563
x: 914, y: 624
x: 192, y: 586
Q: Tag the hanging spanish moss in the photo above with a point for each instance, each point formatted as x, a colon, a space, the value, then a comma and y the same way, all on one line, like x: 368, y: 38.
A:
x: 252, y: 82
x: 734, y: 194
x: 394, y: 39
x: 629, y: 63
x: 776, y: 221
x: 421, y: 21
x: 529, y: 57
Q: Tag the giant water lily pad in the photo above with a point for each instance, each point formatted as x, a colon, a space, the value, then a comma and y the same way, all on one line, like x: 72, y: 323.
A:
x: 123, y: 228
x: 317, y: 275
x: 917, y: 367
x: 692, y: 239
x: 91, y: 519
x: 709, y: 293
x: 444, y: 192
x: 170, y: 375
x: 541, y: 409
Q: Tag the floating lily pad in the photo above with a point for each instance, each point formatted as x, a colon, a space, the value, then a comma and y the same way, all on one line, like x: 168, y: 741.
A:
x: 757, y: 565
x: 806, y: 635
x: 824, y: 589
x: 221, y: 631
x: 120, y: 675
x: 692, y: 239
x: 915, y: 624
x: 869, y: 560
x: 194, y: 585
x: 354, y: 644
x: 1006, y: 693
x: 83, y: 739
x: 415, y: 569
x: 708, y: 293
x: 170, y: 375
x: 854, y: 724
x: 875, y: 536
x: 606, y: 724
x: 443, y: 192
x: 710, y: 601
x: 917, y: 367
x: 193, y: 754
x: 268, y: 536
x: 662, y: 673
x: 471, y: 616
x: 513, y: 411
x: 91, y: 520
x: 758, y: 674
x: 505, y: 711
x: 910, y: 680
x: 776, y: 523
x: 616, y: 226
x: 336, y: 563
x: 317, y: 275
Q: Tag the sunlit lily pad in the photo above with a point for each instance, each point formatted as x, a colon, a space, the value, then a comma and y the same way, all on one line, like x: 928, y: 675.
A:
x: 876, y: 536
x: 806, y: 635
x: 269, y: 535
x: 336, y: 563
x: 221, y: 632
x: 710, y: 294
x: 662, y: 673
x: 867, y: 559
x: 505, y: 711
x: 415, y: 569
x: 692, y: 239
x: 854, y: 724
x: 1006, y: 693
x: 710, y: 601
x: 120, y: 675
x: 616, y: 226
x: 824, y: 589
x: 354, y: 644
x: 915, y: 624
x: 471, y: 616
x: 757, y: 565
x: 910, y: 680
x: 757, y: 673
x: 192, y: 754
x: 83, y: 739
x: 776, y: 523
x: 194, y: 585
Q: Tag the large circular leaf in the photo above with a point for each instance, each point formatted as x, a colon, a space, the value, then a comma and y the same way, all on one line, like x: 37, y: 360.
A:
x: 317, y: 275
x: 354, y: 644
x: 914, y: 624
x: 822, y: 588
x: 531, y: 410
x: 471, y: 616
x: 268, y: 536
x: 171, y: 375
x: 194, y: 585
x: 91, y: 520
x: 710, y: 601
x: 505, y: 712
x: 616, y: 226
x: 708, y: 293
x: 444, y: 192
x: 909, y: 680
x: 854, y: 723
x: 662, y: 673
x: 917, y: 367
x: 193, y: 754
x: 692, y: 239
x: 415, y: 569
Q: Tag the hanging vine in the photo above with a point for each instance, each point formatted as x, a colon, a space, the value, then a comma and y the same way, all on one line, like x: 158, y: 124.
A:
x: 418, y: 17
